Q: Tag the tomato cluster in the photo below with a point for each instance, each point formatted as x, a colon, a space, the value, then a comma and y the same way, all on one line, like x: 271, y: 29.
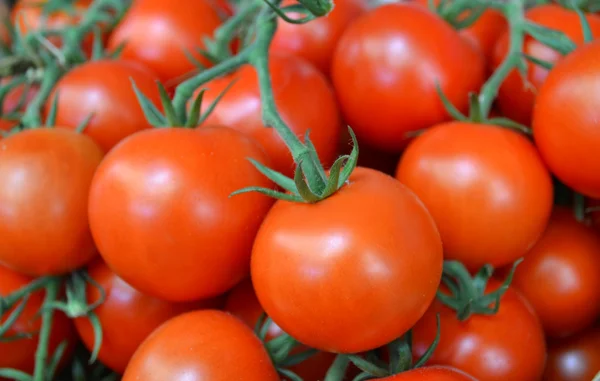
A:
x: 179, y: 199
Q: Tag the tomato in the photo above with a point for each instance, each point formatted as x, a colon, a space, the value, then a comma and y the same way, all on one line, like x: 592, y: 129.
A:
x: 569, y: 140
x: 6, y: 125
x: 576, y: 358
x: 45, y: 177
x: 304, y: 100
x: 323, y: 274
x: 18, y: 98
x: 19, y: 354
x: 160, y: 36
x: 316, y: 40
x: 103, y: 89
x: 386, y: 68
x: 509, y: 345
x: 486, y: 187
x: 201, y: 345
x: 125, y: 309
x: 161, y: 214
x: 515, y: 97
x: 560, y: 276
x: 594, y: 215
x: 431, y: 373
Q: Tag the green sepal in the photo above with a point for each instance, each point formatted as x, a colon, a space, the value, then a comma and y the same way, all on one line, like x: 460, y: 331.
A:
x: 84, y: 123
x: 264, y: 329
x: 58, y: 354
x: 314, y: 157
x: 473, y: 16
x: 318, y: 7
x: 170, y: 113
x: 281, y: 13
x: 303, y: 189
x: 362, y: 377
x: 298, y: 358
x: 153, y: 115
x: 116, y: 52
x: 334, y: 176
x: 289, y: 374
x: 537, y: 61
x: 11, y: 320
x: 436, y: 341
x: 550, y: 37
x: 214, y: 103
x: 51, y: 118
x: 450, y: 108
x: 588, y: 36
x: 352, y: 161
x: 475, y: 114
x: 16, y: 375
x: 269, y: 192
x: 190, y: 57
x: 400, y: 354
x: 276, y: 177
x: 193, y: 119
x: 98, y: 335
x: 494, y: 297
x: 337, y: 370
x: 368, y: 367
x: 509, y: 123
x: 98, y: 44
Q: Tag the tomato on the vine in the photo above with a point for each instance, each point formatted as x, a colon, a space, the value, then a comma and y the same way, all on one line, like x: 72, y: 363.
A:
x: 576, y: 358
x: 45, y: 177
x: 127, y: 316
x: 431, y: 373
x: 565, y: 121
x: 161, y: 37
x: 330, y: 274
x: 101, y: 92
x: 387, y: 66
x: 161, y: 214
x: 486, y: 187
x: 516, y: 97
x: 303, y: 97
x: 508, y: 345
x: 201, y: 345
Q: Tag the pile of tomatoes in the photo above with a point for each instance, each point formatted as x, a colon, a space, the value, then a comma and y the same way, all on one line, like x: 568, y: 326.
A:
x: 454, y: 235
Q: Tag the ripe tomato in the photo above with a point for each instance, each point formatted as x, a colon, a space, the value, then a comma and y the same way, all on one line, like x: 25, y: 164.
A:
x: 316, y: 40
x: 161, y: 215
x: 431, y: 373
x: 509, y: 345
x: 19, y: 354
x: 125, y: 309
x: 515, y: 97
x: 304, y: 100
x: 576, y: 358
x: 560, y: 276
x: 486, y: 187
x: 386, y: 68
x: 323, y: 274
x: 201, y: 345
x: 45, y: 177
x: 568, y: 140
x: 160, y: 36
x: 103, y: 89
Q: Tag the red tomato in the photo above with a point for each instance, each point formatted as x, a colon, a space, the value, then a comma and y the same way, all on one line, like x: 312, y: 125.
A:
x: 125, y: 309
x: 6, y: 125
x: 323, y: 274
x: 304, y: 100
x: 316, y: 40
x: 576, y: 358
x: 485, y: 186
x: 509, y: 345
x: 45, y: 177
x: 20, y: 354
x: 431, y: 373
x: 386, y: 68
x: 161, y: 215
x: 560, y: 276
x: 568, y: 140
x: 160, y: 36
x: 516, y: 98
x: 201, y: 345
x: 103, y: 89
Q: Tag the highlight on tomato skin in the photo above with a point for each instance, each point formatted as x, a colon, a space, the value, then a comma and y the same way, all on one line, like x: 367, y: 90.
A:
x: 576, y: 358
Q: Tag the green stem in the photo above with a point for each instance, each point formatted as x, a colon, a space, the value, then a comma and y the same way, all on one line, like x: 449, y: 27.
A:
x: 8, y: 302
x: 318, y: 7
x: 32, y: 116
x: 41, y: 354
x: 226, y: 32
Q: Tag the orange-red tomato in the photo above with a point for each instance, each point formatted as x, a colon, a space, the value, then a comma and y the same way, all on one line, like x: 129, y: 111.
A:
x: 486, y: 187
x: 387, y: 66
x: 127, y: 316
x: 509, y: 345
x: 102, y: 89
x: 560, y: 276
x: 565, y: 122
x: 515, y: 97
x: 20, y: 354
x: 576, y: 358
x: 159, y: 36
x: 201, y: 345
x: 45, y: 177
x: 304, y: 100
x: 431, y: 373
x: 316, y: 40
x: 161, y: 214
x: 323, y: 274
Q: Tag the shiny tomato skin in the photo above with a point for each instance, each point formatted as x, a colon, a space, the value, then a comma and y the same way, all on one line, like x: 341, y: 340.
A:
x: 509, y: 345
x: 20, y: 354
x: 431, y: 373
x: 316, y: 41
x: 201, y: 345
x: 159, y: 36
x: 161, y: 214
x: 323, y: 274
x: 568, y: 140
x: 45, y: 177
x: 486, y: 187
x: 125, y: 309
x: 576, y: 358
x: 515, y: 97
x: 560, y: 275
x: 386, y: 68
x: 304, y: 100
x: 103, y: 89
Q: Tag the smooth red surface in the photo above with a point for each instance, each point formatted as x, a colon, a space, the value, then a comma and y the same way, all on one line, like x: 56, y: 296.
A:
x: 576, y: 358
x: 431, y: 373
